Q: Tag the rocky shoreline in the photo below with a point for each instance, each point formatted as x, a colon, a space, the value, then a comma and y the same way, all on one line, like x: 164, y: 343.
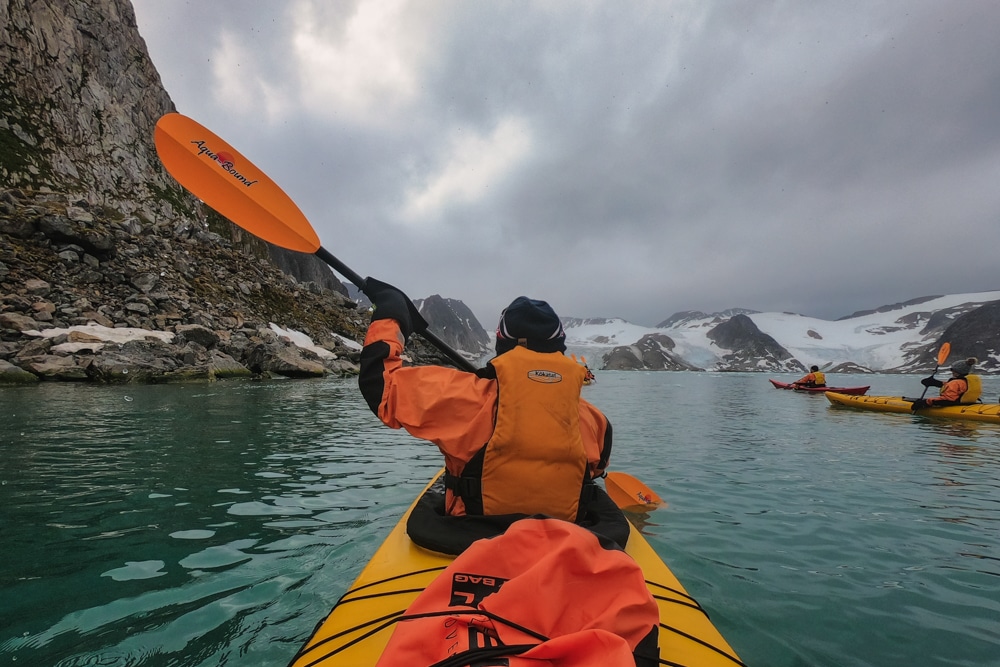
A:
x: 110, y: 272
x: 91, y: 294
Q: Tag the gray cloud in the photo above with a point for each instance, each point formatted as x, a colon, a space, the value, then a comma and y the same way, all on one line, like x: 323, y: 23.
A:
x: 618, y: 160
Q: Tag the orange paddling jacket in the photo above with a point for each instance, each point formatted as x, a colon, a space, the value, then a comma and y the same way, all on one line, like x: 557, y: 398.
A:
x: 952, y: 391
x: 814, y: 379
x: 517, y: 437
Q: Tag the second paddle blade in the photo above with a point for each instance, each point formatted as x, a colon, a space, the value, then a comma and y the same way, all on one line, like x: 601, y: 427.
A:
x: 630, y: 494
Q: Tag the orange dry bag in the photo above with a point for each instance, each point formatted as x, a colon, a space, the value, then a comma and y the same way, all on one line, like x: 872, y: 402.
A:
x: 546, y: 593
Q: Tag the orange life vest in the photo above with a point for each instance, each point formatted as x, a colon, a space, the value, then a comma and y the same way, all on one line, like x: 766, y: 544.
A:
x: 535, y: 461
x: 952, y: 391
x: 974, y: 389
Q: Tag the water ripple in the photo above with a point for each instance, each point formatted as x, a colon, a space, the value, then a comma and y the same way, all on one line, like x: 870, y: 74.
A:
x: 207, y: 525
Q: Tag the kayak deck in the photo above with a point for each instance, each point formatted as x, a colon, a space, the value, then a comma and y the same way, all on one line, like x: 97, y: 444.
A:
x: 985, y: 412
x: 817, y: 390
x: 359, y: 626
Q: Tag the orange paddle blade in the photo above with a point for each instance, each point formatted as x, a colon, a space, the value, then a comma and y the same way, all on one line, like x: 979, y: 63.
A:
x: 943, y: 353
x: 628, y: 493
x: 220, y: 176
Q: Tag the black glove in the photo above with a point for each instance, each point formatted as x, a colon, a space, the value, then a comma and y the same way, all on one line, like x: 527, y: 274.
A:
x: 918, y: 404
x: 390, y: 303
x: 932, y: 382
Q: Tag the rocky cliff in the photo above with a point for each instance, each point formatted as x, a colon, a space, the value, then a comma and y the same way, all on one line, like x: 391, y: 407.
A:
x: 750, y: 347
x: 109, y: 271
x: 652, y: 352
x: 455, y: 324
x: 450, y: 319
x: 78, y: 101
x: 746, y: 348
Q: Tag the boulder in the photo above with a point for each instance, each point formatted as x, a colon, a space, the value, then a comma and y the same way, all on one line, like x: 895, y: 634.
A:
x: 196, y: 333
x: 11, y: 374
x: 37, y: 287
x: 17, y: 322
x: 55, y: 367
x: 62, y: 229
x: 136, y: 361
x: 285, y: 360
x: 224, y: 367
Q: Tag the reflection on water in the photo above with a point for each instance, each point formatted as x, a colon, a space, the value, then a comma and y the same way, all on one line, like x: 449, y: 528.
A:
x: 216, y: 524
x: 155, y: 529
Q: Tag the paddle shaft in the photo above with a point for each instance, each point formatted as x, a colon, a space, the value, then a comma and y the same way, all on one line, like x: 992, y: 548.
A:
x: 924, y: 392
x: 941, y: 357
x: 359, y: 282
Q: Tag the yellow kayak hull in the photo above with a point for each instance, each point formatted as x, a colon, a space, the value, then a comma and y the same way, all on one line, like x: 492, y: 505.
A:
x: 358, y: 628
x: 984, y: 412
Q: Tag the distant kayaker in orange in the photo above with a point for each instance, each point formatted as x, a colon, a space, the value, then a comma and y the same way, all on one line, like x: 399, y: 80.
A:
x: 952, y: 390
x: 815, y: 378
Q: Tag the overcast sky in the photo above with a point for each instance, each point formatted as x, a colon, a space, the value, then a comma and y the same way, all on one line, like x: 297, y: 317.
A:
x: 617, y: 159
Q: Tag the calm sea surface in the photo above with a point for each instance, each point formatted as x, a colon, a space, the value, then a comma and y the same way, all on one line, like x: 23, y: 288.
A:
x: 217, y: 524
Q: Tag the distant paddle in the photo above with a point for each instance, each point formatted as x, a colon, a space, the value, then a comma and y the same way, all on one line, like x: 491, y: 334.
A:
x: 942, y: 356
x: 629, y: 494
x: 223, y: 178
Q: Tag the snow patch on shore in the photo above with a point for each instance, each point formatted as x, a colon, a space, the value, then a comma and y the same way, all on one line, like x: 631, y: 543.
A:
x: 302, y: 340
x: 99, y: 334
x: 105, y: 334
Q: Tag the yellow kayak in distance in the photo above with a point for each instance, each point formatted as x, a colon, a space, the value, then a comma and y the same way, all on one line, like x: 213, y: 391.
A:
x: 357, y: 629
x: 983, y: 412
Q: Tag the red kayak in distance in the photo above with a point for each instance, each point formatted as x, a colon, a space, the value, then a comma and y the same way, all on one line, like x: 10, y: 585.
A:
x: 851, y: 391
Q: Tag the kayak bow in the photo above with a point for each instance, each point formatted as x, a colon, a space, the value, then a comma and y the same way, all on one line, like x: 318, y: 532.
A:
x: 358, y: 627
x: 984, y: 412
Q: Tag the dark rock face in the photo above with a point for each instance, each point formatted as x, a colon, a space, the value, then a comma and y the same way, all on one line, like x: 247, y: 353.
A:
x: 97, y: 239
x: 971, y: 333
x: 751, y: 349
x: 305, y: 268
x: 972, y: 330
x: 651, y: 352
x: 622, y: 358
x: 79, y: 98
x: 977, y: 334
x: 455, y: 324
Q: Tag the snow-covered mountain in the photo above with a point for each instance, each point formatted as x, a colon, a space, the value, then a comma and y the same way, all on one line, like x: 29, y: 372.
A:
x: 901, y: 337
x: 897, y: 338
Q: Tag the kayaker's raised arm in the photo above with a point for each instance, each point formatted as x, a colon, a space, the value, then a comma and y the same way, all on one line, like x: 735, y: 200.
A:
x: 516, y: 436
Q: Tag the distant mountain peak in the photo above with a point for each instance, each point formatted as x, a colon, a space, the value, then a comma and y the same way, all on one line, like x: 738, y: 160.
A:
x: 901, y: 338
x: 895, y: 306
x: 455, y: 324
x: 685, y: 316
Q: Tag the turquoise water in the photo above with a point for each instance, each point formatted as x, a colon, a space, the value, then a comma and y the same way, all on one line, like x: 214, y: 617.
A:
x: 216, y: 524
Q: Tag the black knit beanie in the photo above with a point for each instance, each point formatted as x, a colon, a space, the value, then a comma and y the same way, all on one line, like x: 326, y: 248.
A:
x: 531, y: 323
